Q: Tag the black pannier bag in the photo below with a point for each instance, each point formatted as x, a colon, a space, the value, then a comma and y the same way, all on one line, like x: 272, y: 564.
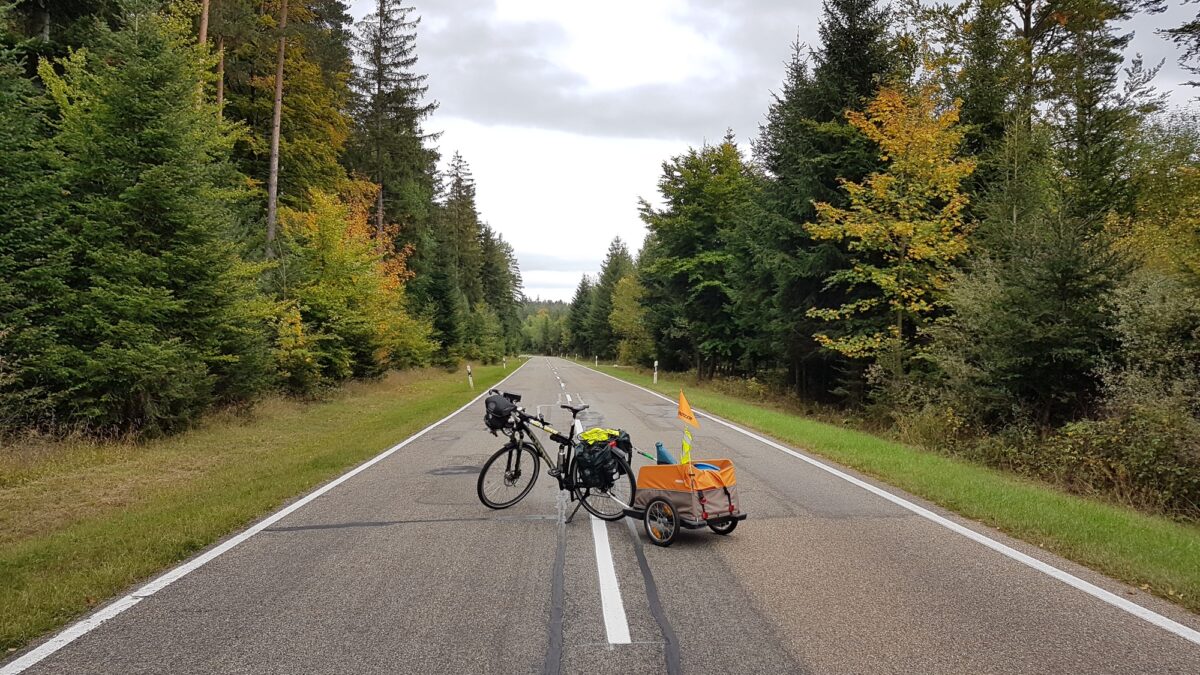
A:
x: 499, y: 412
x: 600, y: 437
x: 597, y: 465
x: 625, y: 443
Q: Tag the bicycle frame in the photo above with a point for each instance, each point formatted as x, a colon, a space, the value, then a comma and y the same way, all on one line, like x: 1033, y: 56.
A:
x: 523, y: 432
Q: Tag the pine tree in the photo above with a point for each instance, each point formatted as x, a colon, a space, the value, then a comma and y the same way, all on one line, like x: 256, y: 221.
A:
x: 389, y: 145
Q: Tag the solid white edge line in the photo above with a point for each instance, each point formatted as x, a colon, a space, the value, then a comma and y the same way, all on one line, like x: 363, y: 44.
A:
x: 1150, y: 616
x: 85, y: 625
x: 615, y: 623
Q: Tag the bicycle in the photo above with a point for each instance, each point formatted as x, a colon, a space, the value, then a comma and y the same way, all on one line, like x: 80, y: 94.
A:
x: 505, y: 472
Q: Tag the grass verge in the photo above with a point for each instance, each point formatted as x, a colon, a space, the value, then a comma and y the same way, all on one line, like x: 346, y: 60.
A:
x: 81, y: 521
x: 1157, y: 554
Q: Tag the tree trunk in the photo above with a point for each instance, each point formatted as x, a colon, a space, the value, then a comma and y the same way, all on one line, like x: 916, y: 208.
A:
x: 273, y: 178
x: 45, y: 32
x: 379, y: 126
x: 1028, y: 81
x: 220, y: 73
x: 204, y: 22
x: 379, y: 211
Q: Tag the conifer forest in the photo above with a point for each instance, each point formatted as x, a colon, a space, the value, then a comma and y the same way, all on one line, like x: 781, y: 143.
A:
x: 205, y: 202
x: 973, y: 225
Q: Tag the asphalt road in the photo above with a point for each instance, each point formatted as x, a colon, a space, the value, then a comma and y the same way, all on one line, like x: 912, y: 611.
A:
x: 400, y: 569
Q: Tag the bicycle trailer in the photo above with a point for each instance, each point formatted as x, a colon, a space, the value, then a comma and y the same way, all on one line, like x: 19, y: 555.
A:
x: 694, y: 495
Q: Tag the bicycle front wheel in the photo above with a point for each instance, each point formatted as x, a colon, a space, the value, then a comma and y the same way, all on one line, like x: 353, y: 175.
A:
x: 607, y: 503
x: 507, y: 476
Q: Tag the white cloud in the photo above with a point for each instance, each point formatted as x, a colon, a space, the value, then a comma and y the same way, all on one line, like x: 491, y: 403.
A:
x: 558, y: 198
x: 621, y: 43
x: 566, y: 110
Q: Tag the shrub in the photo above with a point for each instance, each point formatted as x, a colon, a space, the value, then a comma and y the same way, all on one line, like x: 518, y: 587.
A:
x: 1147, y: 456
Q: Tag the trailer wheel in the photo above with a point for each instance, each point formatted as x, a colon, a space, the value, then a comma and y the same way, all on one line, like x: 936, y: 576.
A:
x: 723, y: 528
x: 662, y: 523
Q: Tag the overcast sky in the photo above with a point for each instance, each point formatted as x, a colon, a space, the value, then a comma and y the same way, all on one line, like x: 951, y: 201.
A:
x: 566, y: 109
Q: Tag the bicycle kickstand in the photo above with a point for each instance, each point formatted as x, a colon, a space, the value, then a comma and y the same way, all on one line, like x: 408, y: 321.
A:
x: 577, y: 506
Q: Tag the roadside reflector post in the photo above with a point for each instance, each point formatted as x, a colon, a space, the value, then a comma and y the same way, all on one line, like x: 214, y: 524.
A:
x: 655, y: 371
x: 597, y: 361
x: 504, y: 362
x: 470, y: 377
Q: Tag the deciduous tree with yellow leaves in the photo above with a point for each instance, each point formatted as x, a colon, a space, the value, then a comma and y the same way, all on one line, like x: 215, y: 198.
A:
x: 904, y: 226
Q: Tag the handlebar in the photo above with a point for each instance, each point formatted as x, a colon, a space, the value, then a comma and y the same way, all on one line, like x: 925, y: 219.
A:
x: 526, y: 417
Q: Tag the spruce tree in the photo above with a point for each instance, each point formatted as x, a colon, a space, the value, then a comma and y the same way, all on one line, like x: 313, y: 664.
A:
x: 445, y: 304
x: 34, y: 253
x: 617, y: 264
x: 390, y: 146
x: 1187, y: 35
x: 986, y: 72
x: 1096, y: 115
x: 460, y: 220
x: 500, y: 277
x: 159, y: 326
x: 807, y: 148
x: 577, y: 317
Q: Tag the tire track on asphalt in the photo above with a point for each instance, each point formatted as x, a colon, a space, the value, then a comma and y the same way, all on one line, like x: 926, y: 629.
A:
x: 1107, y: 597
x: 552, y: 664
x: 670, y: 641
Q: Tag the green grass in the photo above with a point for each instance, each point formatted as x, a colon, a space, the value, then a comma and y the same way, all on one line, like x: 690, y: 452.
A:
x: 81, y: 521
x: 1158, y: 554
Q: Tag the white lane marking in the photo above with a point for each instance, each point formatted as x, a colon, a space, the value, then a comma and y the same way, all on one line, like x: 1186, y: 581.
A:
x: 1189, y: 634
x: 568, y: 398
x: 561, y: 385
x: 83, y: 626
x: 615, y: 623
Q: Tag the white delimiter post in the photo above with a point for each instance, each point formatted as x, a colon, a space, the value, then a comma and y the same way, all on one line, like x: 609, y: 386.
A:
x: 470, y: 378
x: 597, y: 361
x: 655, y: 371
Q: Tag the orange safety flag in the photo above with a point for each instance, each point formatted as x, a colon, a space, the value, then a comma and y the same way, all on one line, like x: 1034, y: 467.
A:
x: 685, y: 411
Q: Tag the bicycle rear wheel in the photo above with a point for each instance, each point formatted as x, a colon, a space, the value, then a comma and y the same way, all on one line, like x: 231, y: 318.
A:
x: 508, y: 476
x: 610, y: 503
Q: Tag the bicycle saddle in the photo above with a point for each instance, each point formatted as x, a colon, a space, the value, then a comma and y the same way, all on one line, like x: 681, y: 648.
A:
x: 575, y: 409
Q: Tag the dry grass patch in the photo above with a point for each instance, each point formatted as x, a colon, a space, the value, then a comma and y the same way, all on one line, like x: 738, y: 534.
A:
x: 81, y: 519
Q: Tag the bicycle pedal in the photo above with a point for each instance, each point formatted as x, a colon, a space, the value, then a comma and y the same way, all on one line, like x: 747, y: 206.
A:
x: 555, y: 472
